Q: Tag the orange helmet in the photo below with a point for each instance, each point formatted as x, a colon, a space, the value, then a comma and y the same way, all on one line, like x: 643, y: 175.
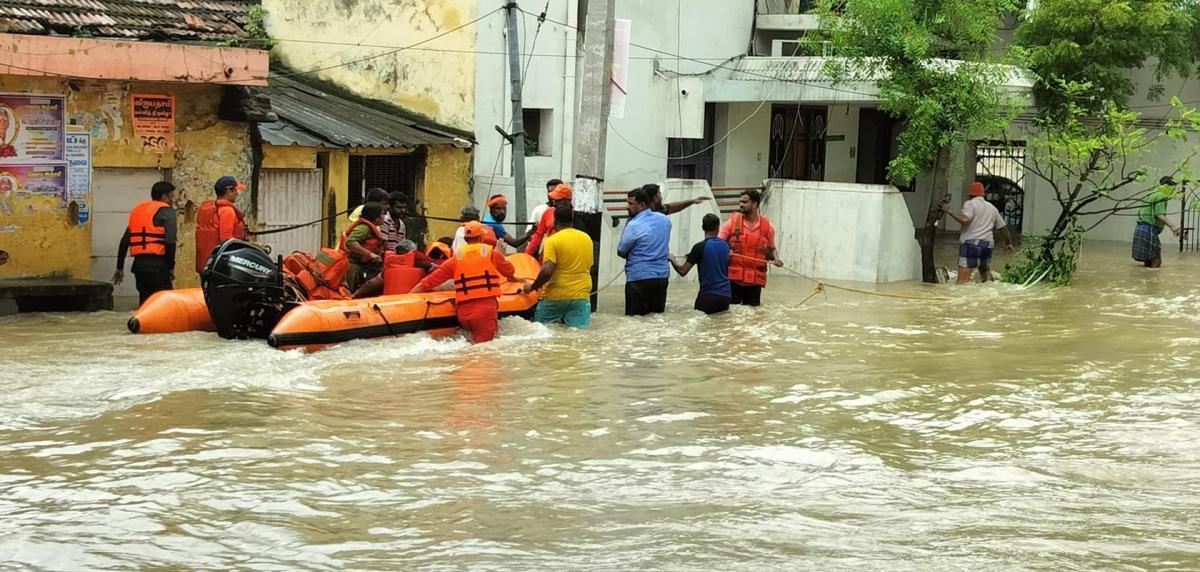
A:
x: 472, y: 229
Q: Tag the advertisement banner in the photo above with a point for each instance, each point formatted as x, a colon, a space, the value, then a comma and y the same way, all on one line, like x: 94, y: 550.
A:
x: 154, y: 121
x: 31, y: 128
x: 44, y: 180
x: 620, y: 68
x: 79, y: 171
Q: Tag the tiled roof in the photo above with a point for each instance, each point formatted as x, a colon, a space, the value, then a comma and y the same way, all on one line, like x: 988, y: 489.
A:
x: 160, y: 20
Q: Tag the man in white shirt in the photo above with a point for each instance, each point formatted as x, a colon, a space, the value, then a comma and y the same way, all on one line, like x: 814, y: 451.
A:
x: 979, y: 220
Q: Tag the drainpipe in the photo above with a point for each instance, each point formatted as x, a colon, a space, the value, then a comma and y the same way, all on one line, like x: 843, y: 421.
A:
x: 566, y: 163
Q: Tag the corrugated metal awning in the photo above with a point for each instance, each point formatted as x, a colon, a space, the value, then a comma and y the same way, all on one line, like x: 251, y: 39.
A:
x: 313, y: 113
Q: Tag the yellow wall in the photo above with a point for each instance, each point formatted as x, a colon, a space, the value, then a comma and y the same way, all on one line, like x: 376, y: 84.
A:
x: 437, y: 84
x: 337, y: 177
x: 445, y: 188
x: 206, y: 148
x: 291, y: 157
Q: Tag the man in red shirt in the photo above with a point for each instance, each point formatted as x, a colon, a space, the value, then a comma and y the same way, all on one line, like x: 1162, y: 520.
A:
x: 560, y: 196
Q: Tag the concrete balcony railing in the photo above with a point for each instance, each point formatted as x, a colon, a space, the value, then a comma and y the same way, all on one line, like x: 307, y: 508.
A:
x: 788, y: 15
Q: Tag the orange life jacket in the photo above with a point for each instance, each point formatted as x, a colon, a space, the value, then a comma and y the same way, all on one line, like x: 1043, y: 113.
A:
x: 320, y: 277
x: 476, y: 277
x: 208, y: 228
x: 145, y: 237
x: 440, y: 248
x: 399, y: 274
x: 748, y: 251
x: 374, y: 243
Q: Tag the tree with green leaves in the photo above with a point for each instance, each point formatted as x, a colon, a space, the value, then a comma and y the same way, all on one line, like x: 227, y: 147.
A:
x: 1090, y: 149
x: 937, y: 72
x: 1095, y: 43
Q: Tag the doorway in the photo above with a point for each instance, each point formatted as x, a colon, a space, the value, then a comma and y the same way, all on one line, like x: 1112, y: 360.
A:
x: 798, y: 142
x: 114, y: 193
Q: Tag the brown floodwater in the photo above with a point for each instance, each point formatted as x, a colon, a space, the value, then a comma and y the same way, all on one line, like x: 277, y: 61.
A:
x: 1004, y: 429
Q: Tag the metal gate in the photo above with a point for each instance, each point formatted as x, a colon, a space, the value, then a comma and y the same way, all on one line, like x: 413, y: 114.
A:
x: 290, y: 197
x: 1189, y: 220
x: 1000, y: 166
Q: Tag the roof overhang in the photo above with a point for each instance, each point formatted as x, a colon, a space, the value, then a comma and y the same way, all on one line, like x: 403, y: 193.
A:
x: 756, y: 79
x: 90, y: 58
x: 313, y: 113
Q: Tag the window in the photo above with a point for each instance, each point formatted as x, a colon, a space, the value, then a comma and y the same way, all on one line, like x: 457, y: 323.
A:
x: 390, y: 172
x: 539, y: 132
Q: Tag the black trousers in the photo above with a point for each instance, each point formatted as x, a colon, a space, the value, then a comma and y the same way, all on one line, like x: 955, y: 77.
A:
x: 151, y: 281
x: 745, y: 295
x: 646, y: 297
x: 711, y: 303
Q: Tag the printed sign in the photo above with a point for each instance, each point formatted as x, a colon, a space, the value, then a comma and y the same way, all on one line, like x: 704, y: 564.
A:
x: 620, y: 68
x: 154, y: 121
x: 45, y: 180
x: 79, y: 171
x: 31, y: 128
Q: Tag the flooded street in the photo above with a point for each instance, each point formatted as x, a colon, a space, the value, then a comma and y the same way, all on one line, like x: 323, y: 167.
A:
x: 1002, y: 430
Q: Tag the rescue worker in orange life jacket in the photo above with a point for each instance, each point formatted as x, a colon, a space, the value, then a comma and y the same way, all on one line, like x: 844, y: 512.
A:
x: 751, y: 246
x: 477, y: 270
x: 150, y: 237
x: 219, y: 219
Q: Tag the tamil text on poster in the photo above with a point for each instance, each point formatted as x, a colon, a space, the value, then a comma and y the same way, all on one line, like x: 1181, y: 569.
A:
x: 79, y: 171
x: 154, y: 121
x: 31, y: 128
x: 39, y: 180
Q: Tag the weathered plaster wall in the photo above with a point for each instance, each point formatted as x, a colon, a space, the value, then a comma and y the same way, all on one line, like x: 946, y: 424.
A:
x: 437, y: 84
x: 446, y: 187
x: 206, y: 148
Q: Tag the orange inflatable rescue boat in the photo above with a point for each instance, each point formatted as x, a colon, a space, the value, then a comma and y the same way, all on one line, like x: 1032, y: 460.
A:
x: 172, y: 311
x: 313, y: 325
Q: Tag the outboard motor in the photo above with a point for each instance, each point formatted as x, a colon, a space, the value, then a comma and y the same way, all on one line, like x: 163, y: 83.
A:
x: 244, y: 290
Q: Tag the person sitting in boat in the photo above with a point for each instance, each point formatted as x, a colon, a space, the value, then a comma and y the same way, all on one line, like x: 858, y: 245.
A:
x: 399, y: 270
x: 363, y: 242
x: 439, y: 249
x: 476, y: 270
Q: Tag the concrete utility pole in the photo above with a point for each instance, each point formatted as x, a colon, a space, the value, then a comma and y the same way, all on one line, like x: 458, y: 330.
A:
x: 591, y: 124
x: 518, y: 120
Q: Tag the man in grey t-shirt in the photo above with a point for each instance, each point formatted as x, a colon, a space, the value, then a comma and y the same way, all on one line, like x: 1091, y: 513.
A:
x: 979, y: 220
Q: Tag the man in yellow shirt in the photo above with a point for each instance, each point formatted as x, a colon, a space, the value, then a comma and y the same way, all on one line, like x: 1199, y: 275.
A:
x: 567, y: 259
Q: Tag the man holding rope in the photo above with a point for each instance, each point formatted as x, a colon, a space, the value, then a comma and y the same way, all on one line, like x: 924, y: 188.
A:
x: 751, y: 246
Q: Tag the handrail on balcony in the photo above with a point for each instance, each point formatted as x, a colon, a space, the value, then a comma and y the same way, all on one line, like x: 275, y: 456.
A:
x: 786, y: 6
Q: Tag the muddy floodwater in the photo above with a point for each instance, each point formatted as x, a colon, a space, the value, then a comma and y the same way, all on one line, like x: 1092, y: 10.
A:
x: 1005, y: 429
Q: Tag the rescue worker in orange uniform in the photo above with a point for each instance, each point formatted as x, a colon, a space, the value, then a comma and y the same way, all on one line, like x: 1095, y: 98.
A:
x: 150, y: 238
x: 477, y: 270
x: 219, y: 219
x: 362, y: 242
x: 560, y: 195
x: 751, y: 246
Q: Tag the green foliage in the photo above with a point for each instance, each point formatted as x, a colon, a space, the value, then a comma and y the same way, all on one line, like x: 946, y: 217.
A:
x: 906, y: 46
x: 255, y: 28
x: 1046, y: 259
x: 1096, y: 42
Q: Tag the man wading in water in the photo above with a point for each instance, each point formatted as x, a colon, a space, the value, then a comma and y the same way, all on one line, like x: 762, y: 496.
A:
x: 1152, y: 217
x: 980, y: 220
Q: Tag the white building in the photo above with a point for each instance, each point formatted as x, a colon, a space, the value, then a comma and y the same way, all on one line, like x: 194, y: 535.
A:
x: 719, y: 90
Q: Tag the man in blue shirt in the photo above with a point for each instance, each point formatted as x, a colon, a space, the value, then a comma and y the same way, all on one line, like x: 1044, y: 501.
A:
x: 712, y: 256
x: 643, y: 245
x: 498, y: 211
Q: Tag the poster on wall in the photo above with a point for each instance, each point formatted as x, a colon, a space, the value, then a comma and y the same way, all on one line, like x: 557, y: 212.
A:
x: 154, y: 121
x: 31, y: 128
x: 620, y: 68
x: 37, y: 180
x: 79, y: 171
